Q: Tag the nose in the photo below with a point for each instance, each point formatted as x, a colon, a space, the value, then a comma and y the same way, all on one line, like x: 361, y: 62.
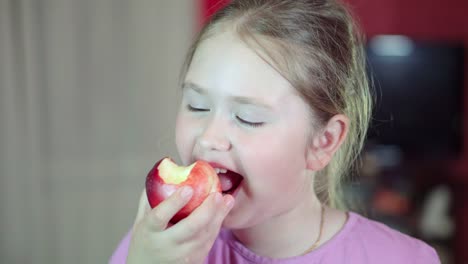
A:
x: 214, y: 137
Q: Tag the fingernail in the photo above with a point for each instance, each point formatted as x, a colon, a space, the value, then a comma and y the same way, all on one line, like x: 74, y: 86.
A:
x: 218, y: 198
x: 228, y: 202
x: 186, y: 192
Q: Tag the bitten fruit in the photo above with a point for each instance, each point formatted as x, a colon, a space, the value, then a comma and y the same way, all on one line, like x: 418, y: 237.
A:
x: 166, y: 177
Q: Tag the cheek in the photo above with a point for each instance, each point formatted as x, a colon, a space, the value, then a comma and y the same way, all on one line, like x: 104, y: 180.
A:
x: 279, y: 158
x: 184, y: 137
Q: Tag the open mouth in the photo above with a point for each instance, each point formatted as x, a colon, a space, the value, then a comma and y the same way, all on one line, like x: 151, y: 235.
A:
x: 230, y: 181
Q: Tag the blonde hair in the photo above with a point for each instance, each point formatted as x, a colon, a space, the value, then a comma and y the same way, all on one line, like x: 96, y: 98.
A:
x: 316, y: 46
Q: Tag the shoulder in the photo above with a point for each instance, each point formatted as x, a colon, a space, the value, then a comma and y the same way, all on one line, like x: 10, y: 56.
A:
x: 377, y: 240
x: 120, y: 254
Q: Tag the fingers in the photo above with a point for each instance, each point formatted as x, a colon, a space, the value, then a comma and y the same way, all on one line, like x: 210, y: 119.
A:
x: 223, y: 207
x: 228, y: 203
x: 159, y: 217
x: 207, y: 217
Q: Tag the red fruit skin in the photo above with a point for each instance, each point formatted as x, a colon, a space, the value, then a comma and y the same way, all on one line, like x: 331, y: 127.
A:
x: 202, y: 178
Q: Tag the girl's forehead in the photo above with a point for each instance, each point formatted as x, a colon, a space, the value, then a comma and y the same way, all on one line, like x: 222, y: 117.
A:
x: 225, y: 64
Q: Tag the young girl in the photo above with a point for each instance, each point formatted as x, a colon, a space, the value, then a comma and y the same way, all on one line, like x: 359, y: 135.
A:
x: 274, y: 92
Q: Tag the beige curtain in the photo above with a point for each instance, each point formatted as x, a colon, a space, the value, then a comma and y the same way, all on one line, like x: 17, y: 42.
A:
x: 88, y: 94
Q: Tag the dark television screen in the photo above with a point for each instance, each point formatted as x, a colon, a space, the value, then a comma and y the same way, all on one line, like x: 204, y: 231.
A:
x: 419, y: 95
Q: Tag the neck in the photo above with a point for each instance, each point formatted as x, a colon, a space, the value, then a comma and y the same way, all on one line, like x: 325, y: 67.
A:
x: 273, y: 237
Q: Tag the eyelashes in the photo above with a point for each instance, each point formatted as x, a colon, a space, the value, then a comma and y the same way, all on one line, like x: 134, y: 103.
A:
x: 242, y: 121
x: 252, y: 124
x: 194, y: 109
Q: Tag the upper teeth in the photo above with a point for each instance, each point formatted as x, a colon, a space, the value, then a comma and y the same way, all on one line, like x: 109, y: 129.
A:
x: 218, y: 170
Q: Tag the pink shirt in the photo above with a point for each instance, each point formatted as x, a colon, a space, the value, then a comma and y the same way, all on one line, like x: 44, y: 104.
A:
x: 361, y: 241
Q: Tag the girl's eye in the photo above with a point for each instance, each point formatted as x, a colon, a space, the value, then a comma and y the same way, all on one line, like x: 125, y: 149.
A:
x: 252, y: 124
x: 195, y: 109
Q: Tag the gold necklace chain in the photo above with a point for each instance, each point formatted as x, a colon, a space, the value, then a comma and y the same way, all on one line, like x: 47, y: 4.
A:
x: 317, y: 242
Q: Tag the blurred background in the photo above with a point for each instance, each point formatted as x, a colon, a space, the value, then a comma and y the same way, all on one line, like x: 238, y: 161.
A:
x: 88, y: 96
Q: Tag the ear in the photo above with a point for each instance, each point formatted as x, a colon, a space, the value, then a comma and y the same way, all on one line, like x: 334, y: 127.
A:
x: 326, y: 142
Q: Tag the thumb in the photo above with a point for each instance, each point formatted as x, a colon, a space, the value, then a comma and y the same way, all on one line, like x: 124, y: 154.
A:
x: 143, y: 208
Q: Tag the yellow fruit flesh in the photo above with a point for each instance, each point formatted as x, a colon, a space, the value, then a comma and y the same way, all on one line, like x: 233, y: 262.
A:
x: 173, y: 174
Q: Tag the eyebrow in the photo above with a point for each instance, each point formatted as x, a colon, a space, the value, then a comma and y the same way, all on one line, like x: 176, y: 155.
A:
x: 238, y: 99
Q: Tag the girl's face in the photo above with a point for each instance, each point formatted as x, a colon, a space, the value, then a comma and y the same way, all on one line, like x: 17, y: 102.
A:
x: 239, y: 113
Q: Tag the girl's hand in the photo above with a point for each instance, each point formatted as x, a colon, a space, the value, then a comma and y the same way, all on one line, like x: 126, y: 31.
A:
x: 188, y: 241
